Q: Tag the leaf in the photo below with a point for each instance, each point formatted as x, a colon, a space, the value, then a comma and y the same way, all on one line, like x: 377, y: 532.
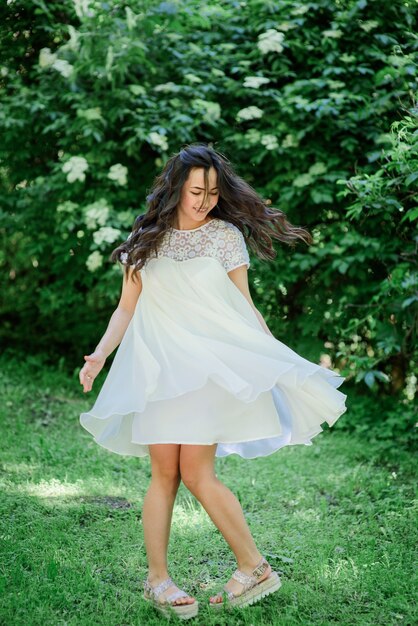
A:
x: 382, y: 376
x: 411, y: 178
x: 409, y: 301
x: 369, y: 379
x: 302, y: 180
x: 317, y: 168
x: 411, y: 215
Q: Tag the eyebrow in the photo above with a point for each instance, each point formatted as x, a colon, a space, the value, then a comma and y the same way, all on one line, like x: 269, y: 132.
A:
x: 195, y: 187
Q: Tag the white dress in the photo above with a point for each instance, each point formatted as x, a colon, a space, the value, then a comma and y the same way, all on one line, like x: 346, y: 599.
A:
x: 195, y: 365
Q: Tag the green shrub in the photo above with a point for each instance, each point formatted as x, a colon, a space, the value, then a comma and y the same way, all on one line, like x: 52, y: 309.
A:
x: 300, y: 96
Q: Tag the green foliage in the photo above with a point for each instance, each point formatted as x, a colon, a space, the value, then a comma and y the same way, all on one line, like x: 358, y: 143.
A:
x: 385, y: 213
x: 301, y: 96
x: 388, y: 422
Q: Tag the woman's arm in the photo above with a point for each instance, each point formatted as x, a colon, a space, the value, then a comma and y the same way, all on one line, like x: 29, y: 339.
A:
x: 115, y: 331
x: 239, y: 277
x: 122, y: 315
x: 262, y: 321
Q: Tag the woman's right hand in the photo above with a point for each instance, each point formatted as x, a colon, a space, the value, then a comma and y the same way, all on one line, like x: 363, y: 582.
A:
x: 94, y: 363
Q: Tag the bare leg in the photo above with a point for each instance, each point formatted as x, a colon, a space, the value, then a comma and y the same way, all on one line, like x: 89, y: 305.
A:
x: 198, y: 474
x: 157, y: 512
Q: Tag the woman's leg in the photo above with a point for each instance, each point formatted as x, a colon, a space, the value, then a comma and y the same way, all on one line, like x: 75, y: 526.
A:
x: 198, y: 474
x: 157, y: 512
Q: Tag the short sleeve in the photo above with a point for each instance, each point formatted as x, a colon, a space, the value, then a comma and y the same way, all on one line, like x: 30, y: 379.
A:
x: 235, y: 251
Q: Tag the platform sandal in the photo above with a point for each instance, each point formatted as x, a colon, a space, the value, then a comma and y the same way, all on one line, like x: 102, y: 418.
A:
x: 253, y: 590
x: 167, y: 608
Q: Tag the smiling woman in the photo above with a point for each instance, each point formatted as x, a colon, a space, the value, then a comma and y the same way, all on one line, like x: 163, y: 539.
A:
x: 198, y: 374
x: 195, y: 324
x: 194, y: 184
x: 195, y: 203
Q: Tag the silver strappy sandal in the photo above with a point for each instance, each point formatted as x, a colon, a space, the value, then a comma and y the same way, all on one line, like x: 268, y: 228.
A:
x: 253, y: 590
x: 183, y: 611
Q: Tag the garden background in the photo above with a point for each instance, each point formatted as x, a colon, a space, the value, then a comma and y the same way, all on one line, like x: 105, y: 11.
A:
x: 315, y: 104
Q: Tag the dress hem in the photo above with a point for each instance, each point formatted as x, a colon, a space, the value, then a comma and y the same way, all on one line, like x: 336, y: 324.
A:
x: 308, y: 442
x: 332, y: 377
x: 309, y: 435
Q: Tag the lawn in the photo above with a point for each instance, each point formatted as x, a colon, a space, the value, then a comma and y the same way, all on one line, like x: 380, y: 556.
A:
x: 334, y: 519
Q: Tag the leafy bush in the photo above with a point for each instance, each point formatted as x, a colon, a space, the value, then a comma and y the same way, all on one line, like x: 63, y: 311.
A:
x: 300, y: 96
x: 383, y: 315
x: 389, y: 421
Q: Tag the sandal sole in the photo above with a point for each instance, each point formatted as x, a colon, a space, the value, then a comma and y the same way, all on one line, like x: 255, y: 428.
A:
x: 183, y: 611
x: 265, y: 588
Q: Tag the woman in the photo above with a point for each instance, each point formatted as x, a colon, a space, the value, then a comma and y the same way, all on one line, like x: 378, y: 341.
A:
x: 198, y: 374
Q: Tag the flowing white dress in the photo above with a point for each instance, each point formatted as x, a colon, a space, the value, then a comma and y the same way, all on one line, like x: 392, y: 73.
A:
x: 195, y: 365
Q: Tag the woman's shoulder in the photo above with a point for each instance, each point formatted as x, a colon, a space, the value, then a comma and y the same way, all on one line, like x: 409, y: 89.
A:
x: 229, y: 231
x: 225, y: 225
x: 231, y: 246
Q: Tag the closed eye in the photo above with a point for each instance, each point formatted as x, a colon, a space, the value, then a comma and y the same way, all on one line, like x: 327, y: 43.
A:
x: 198, y: 194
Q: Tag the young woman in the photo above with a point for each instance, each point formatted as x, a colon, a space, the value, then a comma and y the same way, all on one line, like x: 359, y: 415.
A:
x: 198, y: 374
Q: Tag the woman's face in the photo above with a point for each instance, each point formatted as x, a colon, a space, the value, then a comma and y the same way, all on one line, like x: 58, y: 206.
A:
x: 192, y: 207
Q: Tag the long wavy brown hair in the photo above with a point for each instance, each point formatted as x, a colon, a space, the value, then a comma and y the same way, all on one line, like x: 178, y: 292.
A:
x: 238, y: 203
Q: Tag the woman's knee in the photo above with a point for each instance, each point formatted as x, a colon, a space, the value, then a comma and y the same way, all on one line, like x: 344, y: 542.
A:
x: 166, y: 477
x: 165, y: 467
x: 197, y: 482
x: 196, y: 468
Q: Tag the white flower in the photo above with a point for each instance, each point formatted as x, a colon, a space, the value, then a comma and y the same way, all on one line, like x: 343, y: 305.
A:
x: 46, y: 57
x: 96, y: 213
x: 249, y: 113
x: 82, y: 8
x: 252, y: 136
x: 94, y: 261
x: 73, y: 42
x: 106, y: 234
x: 75, y: 168
x: 270, y: 41
x: 50, y: 59
x: 255, y: 81
x: 63, y: 67
x: 95, y: 113
x: 210, y: 111
x: 130, y: 18
x: 290, y: 141
x: 158, y: 140
x: 336, y: 34
x: 118, y: 173
x: 127, y: 217
x: 67, y: 207
x: 269, y: 141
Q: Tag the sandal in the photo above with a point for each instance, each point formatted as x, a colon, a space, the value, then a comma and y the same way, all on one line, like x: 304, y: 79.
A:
x: 253, y: 590
x: 183, y: 611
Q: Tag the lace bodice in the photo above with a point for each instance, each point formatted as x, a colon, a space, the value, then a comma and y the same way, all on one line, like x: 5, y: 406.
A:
x: 218, y: 238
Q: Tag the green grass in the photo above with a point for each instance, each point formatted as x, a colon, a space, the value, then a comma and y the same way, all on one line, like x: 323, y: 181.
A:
x: 334, y: 519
